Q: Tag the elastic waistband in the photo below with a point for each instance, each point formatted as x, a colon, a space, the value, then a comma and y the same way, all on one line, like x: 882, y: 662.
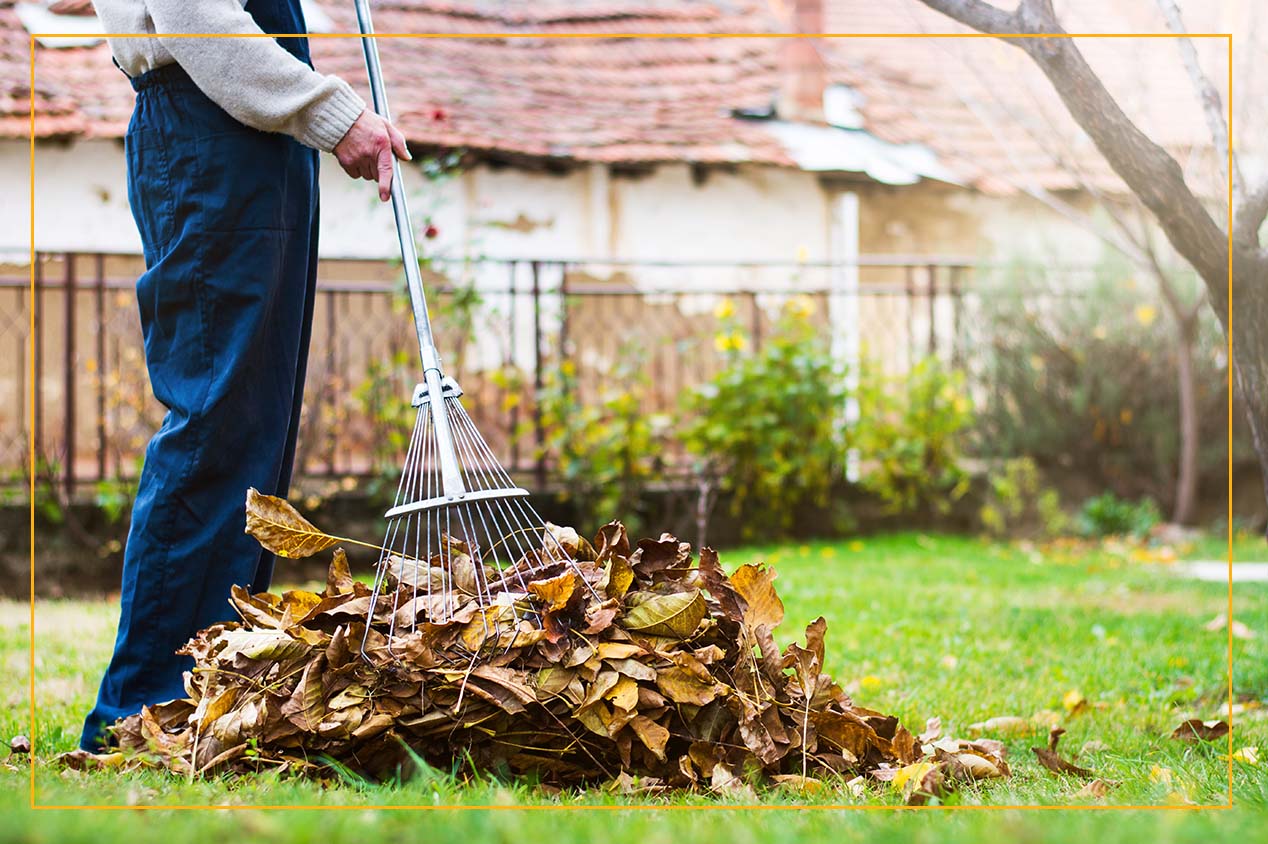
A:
x: 169, y: 75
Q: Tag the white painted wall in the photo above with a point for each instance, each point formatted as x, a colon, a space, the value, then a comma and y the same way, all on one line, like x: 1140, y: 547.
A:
x: 755, y: 213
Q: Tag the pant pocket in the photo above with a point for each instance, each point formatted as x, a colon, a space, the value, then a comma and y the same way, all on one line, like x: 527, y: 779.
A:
x: 150, y: 191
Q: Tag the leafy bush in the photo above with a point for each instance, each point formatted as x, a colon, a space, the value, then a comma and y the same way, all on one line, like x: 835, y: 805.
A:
x: 766, y: 425
x: 1017, y: 502
x: 1108, y: 515
x: 911, y: 436
x: 607, y: 450
x: 1083, y: 379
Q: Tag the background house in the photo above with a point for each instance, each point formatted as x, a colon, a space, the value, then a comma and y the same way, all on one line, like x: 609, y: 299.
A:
x: 874, y: 173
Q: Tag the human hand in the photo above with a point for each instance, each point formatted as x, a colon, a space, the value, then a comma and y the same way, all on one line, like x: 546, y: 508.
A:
x: 365, y: 151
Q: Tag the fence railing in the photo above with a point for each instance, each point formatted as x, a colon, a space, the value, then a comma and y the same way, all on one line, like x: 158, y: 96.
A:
x: 504, y: 327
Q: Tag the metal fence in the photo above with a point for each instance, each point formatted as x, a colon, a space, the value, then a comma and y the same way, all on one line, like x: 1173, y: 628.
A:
x: 505, y: 328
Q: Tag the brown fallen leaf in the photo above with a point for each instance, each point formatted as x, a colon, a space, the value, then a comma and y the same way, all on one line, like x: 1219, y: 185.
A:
x: 1096, y: 788
x: 81, y: 760
x: 1220, y: 622
x: 1004, y: 725
x: 676, y: 615
x: 280, y: 528
x: 628, y: 666
x: 1195, y: 729
x: 1050, y: 759
x: 19, y: 744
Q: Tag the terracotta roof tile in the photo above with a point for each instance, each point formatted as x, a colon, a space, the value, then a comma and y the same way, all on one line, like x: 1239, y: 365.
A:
x: 646, y: 100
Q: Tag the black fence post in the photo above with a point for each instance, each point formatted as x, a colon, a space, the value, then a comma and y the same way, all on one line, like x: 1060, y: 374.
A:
x: 37, y: 374
x: 513, y: 301
x: 933, y: 310
x: 539, y: 428
x: 99, y: 306
x: 68, y: 376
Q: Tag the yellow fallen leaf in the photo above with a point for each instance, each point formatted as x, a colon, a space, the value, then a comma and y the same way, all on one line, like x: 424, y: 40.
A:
x: 1046, y: 718
x: 1162, y: 775
x: 871, y: 682
x: 1247, y: 755
x: 1074, y: 701
x: 912, y: 773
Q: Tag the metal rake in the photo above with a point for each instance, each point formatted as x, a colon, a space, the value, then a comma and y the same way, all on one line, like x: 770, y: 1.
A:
x: 460, y: 531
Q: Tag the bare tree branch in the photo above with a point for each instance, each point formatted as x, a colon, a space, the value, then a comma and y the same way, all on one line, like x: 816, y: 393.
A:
x: 1212, y: 103
x: 1147, y: 169
x: 974, y: 13
x: 1249, y: 216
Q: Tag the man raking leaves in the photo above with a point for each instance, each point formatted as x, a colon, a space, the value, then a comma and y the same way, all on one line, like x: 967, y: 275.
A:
x: 222, y: 157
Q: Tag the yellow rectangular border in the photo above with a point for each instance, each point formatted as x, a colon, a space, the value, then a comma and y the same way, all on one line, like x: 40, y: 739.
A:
x: 31, y: 341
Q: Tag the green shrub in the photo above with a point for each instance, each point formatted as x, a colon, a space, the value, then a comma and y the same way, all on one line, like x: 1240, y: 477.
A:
x: 766, y: 426
x: 911, y: 436
x: 605, y: 449
x: 1108, y: 515
x: 1083, y: 379
x: 1017, y: 503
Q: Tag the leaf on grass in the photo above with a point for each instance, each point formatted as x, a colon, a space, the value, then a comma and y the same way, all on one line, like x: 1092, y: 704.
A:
x: 1074, y: 702
x: 1239, y: 630
x: 1004, y: 725
x: 1050, y: 759
x: 677, y: 614
x: 1096, y: 788
x: 919, y: 781
x: 280, y: 528
x: 1195, y: 729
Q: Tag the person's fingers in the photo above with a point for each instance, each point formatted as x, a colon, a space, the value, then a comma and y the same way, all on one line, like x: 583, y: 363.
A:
x: 366, y: 170
x: 398, y: 143
x: 385, y: 172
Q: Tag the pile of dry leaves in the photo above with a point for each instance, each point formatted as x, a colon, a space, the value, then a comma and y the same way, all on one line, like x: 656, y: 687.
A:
x: 640, y: 664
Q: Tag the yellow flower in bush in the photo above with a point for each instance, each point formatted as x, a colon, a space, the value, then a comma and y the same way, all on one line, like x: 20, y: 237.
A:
x: 725, y: 309
x: 729, y: 342
x: 1146, y: 314
x: 800, y: 306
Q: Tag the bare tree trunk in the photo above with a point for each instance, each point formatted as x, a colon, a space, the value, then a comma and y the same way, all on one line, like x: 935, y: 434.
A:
x: 1187, y: 471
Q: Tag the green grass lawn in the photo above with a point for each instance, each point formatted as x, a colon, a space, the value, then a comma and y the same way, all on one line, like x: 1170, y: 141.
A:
x: 920, y: 626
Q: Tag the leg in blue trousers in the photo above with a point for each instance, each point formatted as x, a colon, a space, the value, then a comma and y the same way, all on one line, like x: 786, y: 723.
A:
x: 228, y: 220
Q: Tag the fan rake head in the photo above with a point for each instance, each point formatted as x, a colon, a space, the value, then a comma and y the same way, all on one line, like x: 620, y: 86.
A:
x: 463, y: 541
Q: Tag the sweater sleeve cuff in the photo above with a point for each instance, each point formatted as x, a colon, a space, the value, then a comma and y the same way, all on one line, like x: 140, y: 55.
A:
x: 330, y: 117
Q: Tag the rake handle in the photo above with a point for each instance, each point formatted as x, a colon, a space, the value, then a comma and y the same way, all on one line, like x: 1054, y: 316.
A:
x: 451, y: 475
x: 400, y: 208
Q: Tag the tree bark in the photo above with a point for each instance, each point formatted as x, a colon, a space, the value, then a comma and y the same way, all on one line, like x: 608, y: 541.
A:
x: 1187, y: 471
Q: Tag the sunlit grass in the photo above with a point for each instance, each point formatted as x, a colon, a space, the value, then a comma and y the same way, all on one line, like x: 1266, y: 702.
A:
x: 921, y: 626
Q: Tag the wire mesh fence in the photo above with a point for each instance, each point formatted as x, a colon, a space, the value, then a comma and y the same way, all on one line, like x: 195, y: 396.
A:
x: 506, y: 327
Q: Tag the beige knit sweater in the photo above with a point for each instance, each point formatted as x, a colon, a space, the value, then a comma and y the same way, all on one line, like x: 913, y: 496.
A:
x: 253, y: 79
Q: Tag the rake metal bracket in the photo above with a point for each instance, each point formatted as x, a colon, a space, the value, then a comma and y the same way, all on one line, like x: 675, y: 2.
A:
x: 448, y: 388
